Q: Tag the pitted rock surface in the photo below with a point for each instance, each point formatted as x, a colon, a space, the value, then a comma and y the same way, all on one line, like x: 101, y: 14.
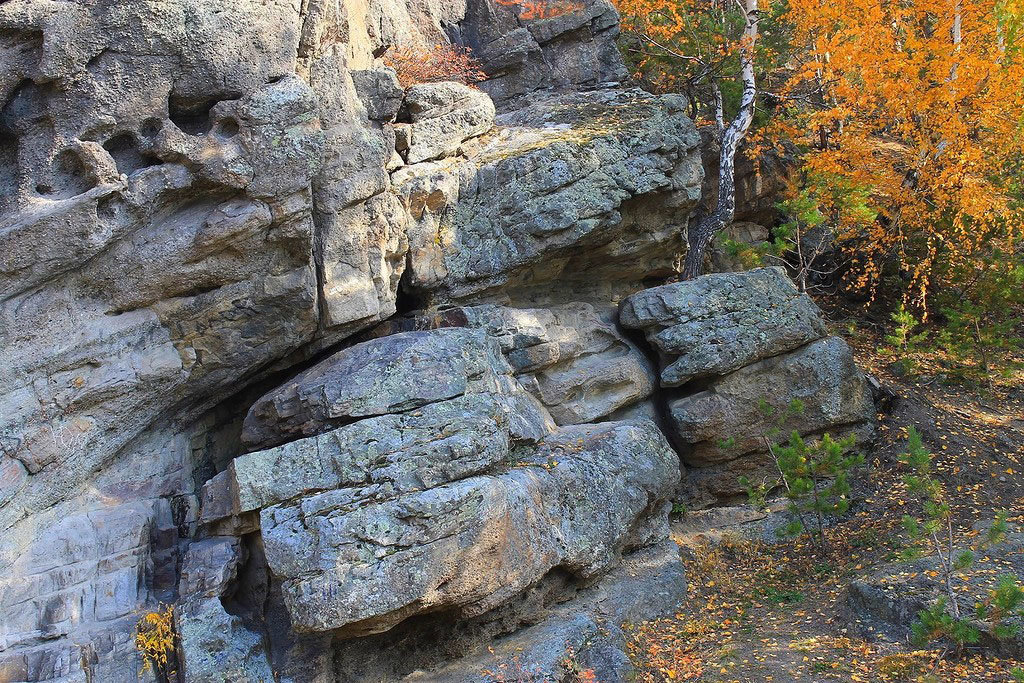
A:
x: 204, y: 209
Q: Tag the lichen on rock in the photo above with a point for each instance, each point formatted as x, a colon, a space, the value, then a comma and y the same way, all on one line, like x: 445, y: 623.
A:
x: 335, y: 366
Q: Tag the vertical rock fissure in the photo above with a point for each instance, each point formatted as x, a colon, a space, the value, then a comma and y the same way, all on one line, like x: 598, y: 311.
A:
x: 661, y: 396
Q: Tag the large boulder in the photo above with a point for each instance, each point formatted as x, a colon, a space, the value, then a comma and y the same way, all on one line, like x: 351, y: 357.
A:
x: 374, y: 458
x: 198, y: 199
x: 718, y: 323
x: 429, y: 480
x: 572, y: 357
x: 523, y: 50
x: 473, y: 544
x: 441, y: 117
x: 156, y: 254
x: 733, y: 343
x: 585, y: 633
x: 163, y: 293
x: 822, y: 376
x: 582, y: 187
x: 386, y: 375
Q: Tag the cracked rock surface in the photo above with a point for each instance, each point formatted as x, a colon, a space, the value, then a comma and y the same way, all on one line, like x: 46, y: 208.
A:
x: 362, y: 379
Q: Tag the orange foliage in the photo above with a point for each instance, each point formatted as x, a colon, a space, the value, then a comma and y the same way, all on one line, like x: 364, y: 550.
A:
x: 541, y: 9
x: 695, y: 34
x: 921, y: 102
x: 439, y: 63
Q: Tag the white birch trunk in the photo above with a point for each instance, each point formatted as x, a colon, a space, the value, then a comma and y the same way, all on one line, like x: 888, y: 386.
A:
x: 701, y: 235
x: 958, y: 36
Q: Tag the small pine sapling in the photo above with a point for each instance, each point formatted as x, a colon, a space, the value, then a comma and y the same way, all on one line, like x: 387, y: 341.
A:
x: 935, y: 526
x: 936, y: 623
x: 902, y: 337
x: 903, y: 341
x: 814, y: 474
x: 1004, y: 602
x: 934, y: 529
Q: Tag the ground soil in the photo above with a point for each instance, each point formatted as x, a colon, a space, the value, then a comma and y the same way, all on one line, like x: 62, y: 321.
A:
x: 779, y: 611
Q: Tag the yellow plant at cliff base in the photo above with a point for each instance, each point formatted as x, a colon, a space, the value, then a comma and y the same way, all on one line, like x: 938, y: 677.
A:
x: 154, y: 639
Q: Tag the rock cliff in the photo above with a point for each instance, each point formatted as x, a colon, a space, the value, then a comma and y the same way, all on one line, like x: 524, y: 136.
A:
x: 338, y: 368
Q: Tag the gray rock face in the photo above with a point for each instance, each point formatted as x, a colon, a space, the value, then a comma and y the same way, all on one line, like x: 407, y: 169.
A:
x: 387, y: 375
x: 571, y: 357
x: 156, y: 247
x: 376, y: 458
x: 648, y: 583
x: 215, y: 645
x: 555, y: 193
x: 442, y: 116
x: 822, y: 375
x: 718, y: 323
x: 470, y: 545
x: 197, y: 199
x: 120, y: 341
x: 522, y: 52
x: 751, y: 337
x: 78, y: 581
x: 423, y: 484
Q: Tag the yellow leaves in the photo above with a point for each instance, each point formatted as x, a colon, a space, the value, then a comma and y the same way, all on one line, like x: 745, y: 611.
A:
x: 154, y: 639
x: 927, y: 144
x: 439, y: 63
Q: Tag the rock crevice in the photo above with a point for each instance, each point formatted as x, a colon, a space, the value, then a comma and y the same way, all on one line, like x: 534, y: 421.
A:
x: 211, y: 215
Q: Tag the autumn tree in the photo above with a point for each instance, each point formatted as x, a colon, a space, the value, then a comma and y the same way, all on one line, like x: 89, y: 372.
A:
x: 919, y: 104
x: 441, y: 62
x: 716, y: 42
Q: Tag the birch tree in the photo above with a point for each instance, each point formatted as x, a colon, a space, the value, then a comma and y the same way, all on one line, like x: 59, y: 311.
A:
x: 705, y: 43
x: 730, y: 137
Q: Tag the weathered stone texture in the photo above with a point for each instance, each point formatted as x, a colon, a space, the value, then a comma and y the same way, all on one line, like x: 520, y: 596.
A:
x: 442, y: 116
x: 821, y: 375
x: 552, y: 194
x: 475, y: 543
x: 747, y: 338
x: 571, y: 357
x: 202, y: 205
x: 215, y: 645
x: 387, y: 375
x: 718, y: 323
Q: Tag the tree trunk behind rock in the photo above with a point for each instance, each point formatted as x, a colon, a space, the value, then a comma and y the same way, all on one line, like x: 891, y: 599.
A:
x: 700, y: 237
